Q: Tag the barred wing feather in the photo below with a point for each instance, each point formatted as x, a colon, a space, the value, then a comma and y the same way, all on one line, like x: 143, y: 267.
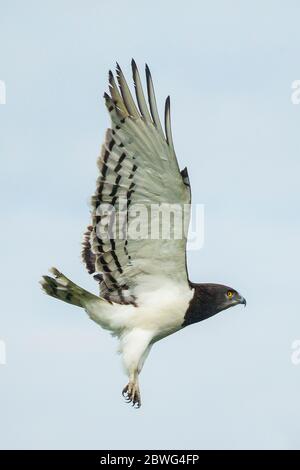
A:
x: 139, y: 178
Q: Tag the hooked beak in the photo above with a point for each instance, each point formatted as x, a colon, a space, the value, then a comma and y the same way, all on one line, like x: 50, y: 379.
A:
x: 242, y: 301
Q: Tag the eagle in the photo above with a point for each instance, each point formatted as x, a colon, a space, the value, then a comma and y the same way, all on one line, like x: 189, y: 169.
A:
x: 145, y: 293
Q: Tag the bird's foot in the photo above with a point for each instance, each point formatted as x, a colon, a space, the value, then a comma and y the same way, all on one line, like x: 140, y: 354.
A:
x: 132, y: 394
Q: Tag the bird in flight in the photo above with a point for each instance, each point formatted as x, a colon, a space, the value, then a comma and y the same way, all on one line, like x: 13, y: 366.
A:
x: 145, y: 291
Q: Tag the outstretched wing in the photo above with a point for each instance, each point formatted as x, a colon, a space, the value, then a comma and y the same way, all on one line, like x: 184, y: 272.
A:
x: 141, y: 207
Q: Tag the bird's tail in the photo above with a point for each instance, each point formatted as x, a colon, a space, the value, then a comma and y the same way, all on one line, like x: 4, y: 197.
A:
x: 60, y: 287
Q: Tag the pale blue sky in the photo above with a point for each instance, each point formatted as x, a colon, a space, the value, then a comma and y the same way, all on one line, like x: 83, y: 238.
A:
x: 228, y: 66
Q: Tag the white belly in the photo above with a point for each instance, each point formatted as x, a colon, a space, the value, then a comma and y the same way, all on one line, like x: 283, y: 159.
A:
x: 160, y: 311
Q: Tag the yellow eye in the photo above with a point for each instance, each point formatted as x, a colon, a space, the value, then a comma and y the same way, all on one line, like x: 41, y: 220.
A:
x: 229, y: 294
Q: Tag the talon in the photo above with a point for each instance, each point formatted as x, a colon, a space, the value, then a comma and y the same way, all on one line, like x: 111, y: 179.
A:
x: 131, y: 394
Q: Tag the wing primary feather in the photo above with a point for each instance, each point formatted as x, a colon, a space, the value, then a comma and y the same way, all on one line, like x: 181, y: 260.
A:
x: 126, y: 94
x: 140, y: 97
x: 168, y: 129
x: 152, y: 102
x: 109, y: 102
x: 115, y: 94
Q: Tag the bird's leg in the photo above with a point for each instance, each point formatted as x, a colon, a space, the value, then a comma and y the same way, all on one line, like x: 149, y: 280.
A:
x: 131, y: 391
x: 135, y: 346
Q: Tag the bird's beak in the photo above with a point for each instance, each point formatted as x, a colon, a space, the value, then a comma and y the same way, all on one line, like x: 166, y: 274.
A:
x: 243, y: 301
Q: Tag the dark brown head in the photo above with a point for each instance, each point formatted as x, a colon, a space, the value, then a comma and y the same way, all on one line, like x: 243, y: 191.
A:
x: 210, y: 299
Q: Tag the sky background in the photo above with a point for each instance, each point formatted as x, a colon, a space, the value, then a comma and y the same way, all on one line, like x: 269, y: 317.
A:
x: 228, y: 382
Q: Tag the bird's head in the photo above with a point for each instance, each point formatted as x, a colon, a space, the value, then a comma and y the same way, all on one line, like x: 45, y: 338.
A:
x: 210, y: 299
x: 223, y: 297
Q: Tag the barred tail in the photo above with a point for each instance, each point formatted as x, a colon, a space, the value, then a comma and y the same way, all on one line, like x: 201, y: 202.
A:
x: 60, y: 287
